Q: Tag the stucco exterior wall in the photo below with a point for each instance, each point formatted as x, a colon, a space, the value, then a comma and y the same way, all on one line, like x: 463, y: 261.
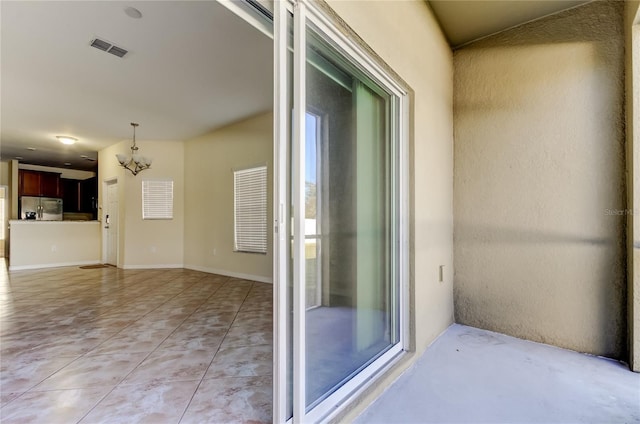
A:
x: 539, y: 186
x: 632, y: 97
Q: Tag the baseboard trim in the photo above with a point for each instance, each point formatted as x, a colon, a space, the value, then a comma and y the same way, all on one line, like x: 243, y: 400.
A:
x: 209, y: 270
x: 227, y: 273
x: 57, y: 265
x: 159, y: 266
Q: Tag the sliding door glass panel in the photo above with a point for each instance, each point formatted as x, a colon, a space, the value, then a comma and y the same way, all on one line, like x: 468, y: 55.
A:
x: 313, y: 223
x: 288, y: 214
x: 351, y: 291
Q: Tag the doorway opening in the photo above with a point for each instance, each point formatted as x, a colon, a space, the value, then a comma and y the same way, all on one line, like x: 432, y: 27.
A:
x: 110, y: 222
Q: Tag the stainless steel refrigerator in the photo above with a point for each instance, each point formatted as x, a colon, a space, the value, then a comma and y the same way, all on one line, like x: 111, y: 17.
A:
x: 41, y: 208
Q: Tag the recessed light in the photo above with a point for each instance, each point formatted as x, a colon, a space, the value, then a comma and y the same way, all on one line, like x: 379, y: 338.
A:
x: 83, y: 156
x: 33, y: 149
x: 66, y: 140
x: 132, y: 12
x: 19, y: 157
x: 67, y: 164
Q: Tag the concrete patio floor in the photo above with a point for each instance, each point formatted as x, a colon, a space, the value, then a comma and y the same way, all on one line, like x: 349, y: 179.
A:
x: 470, y: 375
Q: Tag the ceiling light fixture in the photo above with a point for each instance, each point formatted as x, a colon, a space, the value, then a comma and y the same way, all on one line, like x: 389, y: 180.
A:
x: 66, y: 140
x: 135, y: 163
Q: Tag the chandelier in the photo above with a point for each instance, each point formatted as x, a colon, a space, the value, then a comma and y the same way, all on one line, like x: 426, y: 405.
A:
x: 136, y: 162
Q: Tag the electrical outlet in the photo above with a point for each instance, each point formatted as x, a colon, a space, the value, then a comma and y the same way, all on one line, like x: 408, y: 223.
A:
x: 153, y: 249
x: 214, y: 251
x: 54, y: 248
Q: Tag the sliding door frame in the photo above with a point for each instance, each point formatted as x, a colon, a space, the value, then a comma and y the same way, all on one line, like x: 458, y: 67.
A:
x: 282, y: 211
x: 289, y: 237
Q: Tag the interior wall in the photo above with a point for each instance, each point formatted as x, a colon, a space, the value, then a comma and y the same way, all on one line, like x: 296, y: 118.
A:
x: 13, y: 190
x: 4, y: 173
x: 408, y: 38
x: 146, y: 243
x: 155, y: 243
x: 4, y: 181
x: 539, y: 181
x: 209, y: 199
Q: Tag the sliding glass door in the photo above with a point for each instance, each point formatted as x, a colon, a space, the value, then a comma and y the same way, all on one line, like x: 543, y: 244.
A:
x: 341, y: 260
x: 355, y: 320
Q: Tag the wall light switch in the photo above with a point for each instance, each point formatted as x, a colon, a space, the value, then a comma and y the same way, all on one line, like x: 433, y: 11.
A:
x: 441, y: 273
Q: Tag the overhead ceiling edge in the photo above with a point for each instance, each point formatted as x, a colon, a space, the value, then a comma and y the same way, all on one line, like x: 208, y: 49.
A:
x: 466, y: 43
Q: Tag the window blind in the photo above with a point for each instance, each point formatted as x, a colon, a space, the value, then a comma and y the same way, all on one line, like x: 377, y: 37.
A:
x: 250, y: 209
x: 157, y: 199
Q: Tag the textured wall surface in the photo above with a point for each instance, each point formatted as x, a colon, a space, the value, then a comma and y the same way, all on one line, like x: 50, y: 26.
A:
x: 632, y: 97
x: 539, y: 183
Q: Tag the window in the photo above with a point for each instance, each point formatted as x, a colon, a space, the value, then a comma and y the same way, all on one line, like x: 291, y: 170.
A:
x: 250, y: 209
x: 157, y: 199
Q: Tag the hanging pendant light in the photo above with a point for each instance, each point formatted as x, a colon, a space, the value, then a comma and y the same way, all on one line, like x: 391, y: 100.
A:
x: 136, y: 162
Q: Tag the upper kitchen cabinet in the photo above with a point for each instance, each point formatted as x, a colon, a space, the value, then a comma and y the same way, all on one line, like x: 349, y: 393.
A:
x: 28, y: 183
x: 38, y: 183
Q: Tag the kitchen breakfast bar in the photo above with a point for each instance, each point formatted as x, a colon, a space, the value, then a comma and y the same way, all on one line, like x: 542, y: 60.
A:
x: 46, y: 244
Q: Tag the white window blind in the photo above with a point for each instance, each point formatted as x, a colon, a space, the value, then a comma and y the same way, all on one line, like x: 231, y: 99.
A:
x: 157, y: 199
x: 250, y: 209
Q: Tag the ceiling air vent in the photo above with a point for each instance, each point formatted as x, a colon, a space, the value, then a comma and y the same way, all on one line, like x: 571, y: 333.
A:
x: 117, y: 51
x: 108, y: 47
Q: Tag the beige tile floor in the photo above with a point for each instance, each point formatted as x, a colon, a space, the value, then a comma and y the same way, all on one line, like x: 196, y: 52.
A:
x: 123, y: 346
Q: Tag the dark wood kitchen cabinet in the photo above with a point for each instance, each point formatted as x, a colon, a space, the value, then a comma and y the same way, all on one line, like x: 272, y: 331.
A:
x: 38, y: 183
x: 28, y: 183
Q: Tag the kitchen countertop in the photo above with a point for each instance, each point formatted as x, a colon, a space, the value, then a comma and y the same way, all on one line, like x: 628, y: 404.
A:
x: 34, y: 221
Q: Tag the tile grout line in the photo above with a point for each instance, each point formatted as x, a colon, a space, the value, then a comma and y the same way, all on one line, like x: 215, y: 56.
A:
x: 216, y: 354
x: 85, y: 354
x: 81, y: 355
x: 150, y: 353
x: 125, y: 289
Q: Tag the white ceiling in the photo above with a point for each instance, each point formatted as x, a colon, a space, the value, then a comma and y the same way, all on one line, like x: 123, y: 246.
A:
x: 192, y: 66
x: 463, y: 21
